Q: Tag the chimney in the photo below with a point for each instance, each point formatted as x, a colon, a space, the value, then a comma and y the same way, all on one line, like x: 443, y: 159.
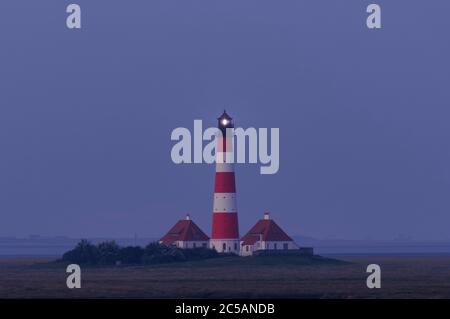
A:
x: 266, y: 216
x: 188, y: 217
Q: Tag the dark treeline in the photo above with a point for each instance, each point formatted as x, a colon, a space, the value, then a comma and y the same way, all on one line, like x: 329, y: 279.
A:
x: 110, y: 253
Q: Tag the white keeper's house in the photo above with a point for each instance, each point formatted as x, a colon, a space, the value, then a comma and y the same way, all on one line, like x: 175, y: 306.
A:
x: 266, y: 235
x: 185, y: 234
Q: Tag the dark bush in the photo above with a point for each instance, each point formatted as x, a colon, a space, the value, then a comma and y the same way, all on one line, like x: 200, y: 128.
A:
x: 131, y: 255
x: 83, y: 253
x: 155, y: 253
x: 109, y: 253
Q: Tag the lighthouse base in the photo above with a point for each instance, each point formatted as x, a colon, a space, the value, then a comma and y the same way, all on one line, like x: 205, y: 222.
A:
x: 225, y: 245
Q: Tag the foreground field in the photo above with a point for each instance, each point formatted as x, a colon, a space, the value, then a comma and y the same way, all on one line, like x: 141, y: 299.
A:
x: 263, y: 277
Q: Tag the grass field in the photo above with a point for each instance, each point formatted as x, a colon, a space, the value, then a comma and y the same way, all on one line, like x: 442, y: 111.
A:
x: 233, y: 277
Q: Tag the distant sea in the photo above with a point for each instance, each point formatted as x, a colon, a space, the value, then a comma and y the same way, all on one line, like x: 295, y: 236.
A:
x: 56, y: 246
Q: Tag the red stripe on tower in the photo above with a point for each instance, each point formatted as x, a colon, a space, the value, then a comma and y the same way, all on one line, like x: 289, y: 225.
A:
x: 225, y: 226
x: 225, y: 229
x: 225, y: 182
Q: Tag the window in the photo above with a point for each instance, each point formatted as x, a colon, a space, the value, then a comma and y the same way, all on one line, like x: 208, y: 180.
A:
x: 194, y: 245
x: 235, y: 246
x: 285, y: 246
x: 224, y: 247
x: 275, y: 246
x: 204, y: 245
x: 246, y: 248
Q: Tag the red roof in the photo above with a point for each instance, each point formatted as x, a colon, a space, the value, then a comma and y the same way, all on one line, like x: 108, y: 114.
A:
x: 184, y: 230
x: 265, y: 230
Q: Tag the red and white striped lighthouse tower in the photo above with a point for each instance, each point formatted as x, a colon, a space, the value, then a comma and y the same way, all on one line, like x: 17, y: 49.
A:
x: 225, y: 229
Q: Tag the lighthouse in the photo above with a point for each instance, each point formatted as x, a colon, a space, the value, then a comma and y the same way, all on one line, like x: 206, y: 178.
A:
x: 225, y: 229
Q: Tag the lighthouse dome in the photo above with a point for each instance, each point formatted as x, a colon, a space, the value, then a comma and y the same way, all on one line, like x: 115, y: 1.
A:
x: 225, y: 121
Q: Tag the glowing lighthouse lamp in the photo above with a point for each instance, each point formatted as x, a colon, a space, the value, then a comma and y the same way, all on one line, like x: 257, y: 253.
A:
x: 225, y: 122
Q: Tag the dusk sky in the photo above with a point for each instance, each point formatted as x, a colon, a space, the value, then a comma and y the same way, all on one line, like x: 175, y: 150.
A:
x: 86, y: 115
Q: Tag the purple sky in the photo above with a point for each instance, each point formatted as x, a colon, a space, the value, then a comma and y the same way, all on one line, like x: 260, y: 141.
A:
x: 86, y: 116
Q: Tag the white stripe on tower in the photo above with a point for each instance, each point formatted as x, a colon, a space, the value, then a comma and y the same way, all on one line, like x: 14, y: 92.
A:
x: 225, y: 202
